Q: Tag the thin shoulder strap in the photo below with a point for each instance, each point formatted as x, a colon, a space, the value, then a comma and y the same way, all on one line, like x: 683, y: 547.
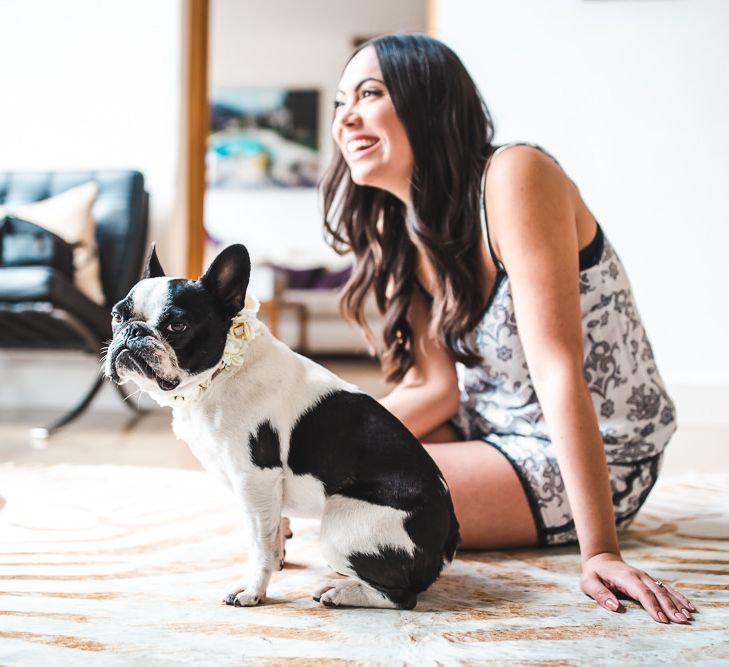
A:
x: 484, y: 218
x: 485, y: 222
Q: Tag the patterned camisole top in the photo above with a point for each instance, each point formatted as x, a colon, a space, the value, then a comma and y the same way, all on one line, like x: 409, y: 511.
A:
x: 635, y: 413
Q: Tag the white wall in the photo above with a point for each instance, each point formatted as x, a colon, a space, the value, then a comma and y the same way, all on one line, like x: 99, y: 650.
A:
x: 90, y: 84
x: 632, y: 97
x: 95, y: 84
x: 295, y: 44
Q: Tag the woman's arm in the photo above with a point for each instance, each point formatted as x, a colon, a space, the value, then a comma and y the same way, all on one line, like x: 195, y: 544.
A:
x: 532, y: 218
x: 532, y: 223
x: 428, y: 394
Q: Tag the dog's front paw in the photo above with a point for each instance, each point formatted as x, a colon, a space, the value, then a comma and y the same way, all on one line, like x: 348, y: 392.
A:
x: 247, y: 597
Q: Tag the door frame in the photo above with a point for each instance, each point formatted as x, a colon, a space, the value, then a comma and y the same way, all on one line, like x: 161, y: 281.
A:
x: 196, y: 128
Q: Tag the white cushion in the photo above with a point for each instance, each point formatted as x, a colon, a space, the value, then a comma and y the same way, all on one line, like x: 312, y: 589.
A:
x: 69, y: 216
x: 324, y: 303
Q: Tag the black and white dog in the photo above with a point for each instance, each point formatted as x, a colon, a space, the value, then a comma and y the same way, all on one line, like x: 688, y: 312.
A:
x: 286, y: 436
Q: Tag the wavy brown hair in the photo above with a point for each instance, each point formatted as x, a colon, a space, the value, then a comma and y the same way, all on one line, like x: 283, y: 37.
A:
x: 450, y: 133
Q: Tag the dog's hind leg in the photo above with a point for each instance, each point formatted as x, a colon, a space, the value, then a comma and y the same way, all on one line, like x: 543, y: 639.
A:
x: 369, y: 543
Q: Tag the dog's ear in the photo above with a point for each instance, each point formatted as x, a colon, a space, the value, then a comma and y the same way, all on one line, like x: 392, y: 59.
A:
x: 227, y: 278
x: 152, y: 267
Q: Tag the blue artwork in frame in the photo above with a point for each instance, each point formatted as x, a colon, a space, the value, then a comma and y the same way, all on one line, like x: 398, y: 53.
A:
x: 263, y: 137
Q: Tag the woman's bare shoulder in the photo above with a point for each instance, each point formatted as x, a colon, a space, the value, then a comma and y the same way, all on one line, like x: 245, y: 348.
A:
x: 527, y: 196
x: 520, y: 165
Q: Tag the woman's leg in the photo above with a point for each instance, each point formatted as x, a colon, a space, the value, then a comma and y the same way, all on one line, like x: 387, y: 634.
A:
x: 488, y: 497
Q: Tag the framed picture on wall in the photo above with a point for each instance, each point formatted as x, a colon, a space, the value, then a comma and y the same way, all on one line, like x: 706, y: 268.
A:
x: 263, y: 137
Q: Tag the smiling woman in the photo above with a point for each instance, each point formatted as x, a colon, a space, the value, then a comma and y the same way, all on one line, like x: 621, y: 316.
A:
x: 418, y: 159
x: 510, y: 326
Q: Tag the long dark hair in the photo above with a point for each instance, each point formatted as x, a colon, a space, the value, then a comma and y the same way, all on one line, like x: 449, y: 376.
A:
x: 450, y: 132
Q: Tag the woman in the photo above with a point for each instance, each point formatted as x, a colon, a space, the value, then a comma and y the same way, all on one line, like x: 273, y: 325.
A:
x: 510, y: 329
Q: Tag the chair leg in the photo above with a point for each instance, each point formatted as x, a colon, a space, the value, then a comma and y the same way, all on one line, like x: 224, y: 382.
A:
x: 43, y: 433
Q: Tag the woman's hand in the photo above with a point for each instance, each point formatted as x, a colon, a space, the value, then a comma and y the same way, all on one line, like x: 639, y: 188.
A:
x: 605, y: 574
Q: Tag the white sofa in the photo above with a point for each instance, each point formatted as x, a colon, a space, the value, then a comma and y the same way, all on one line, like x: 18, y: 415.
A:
x: 310, y: 322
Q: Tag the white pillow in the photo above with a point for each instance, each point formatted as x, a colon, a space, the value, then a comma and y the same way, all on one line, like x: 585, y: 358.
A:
x: 69, y: 216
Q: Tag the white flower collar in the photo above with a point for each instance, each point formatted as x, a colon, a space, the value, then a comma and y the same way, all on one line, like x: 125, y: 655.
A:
x: 243, y: 330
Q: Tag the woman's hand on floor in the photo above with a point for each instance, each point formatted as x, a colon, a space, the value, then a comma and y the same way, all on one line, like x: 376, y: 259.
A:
x: 605, y: 574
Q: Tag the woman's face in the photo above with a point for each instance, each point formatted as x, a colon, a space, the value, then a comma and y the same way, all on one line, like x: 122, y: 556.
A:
x: 367, y: 130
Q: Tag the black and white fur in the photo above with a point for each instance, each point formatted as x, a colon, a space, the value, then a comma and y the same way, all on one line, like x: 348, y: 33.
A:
x: 288, y: 437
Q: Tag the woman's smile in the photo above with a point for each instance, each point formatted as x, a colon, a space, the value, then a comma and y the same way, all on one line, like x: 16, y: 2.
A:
x: 359, y: 146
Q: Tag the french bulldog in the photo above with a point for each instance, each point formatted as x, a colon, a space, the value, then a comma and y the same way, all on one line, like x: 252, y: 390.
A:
x: 286, y: 436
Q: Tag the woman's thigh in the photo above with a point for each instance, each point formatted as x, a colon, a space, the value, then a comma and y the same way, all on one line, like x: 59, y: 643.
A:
x: 488, y: 497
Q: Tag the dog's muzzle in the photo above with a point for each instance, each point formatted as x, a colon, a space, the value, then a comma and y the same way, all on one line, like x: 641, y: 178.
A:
x: 137, y: 351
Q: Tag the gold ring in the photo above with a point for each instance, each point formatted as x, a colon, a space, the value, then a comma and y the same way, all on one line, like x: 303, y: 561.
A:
x: 659, y: 583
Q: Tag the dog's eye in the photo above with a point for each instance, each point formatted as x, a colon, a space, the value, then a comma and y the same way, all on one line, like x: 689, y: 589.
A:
x: 116, y: 318
x: 176, y: 327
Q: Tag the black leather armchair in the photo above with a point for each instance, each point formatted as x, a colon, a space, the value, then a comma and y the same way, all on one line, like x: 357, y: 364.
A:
x: 42, y: 309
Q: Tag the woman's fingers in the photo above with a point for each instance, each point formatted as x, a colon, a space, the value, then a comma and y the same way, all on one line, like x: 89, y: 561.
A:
x: 656, y: 600
x: 593, y: 586
x: 678, y: 600
x: 666, y: 601
x: 640, y: 592
x: 682, y: 602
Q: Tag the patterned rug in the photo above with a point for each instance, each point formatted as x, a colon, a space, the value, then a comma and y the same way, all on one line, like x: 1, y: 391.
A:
x: 114, y: 565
